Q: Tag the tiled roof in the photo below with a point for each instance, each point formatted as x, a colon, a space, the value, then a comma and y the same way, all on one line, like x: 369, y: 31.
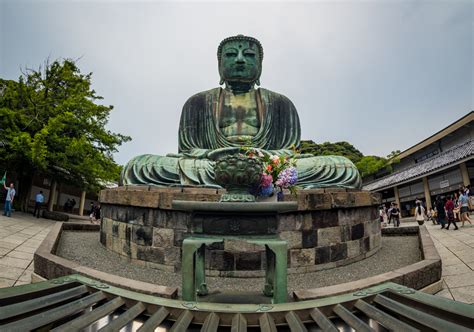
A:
x: 458, y: 152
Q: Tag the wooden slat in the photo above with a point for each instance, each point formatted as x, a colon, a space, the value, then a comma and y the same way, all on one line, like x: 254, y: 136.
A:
x: 90, y: 317
x: 294, y: 322
x: 267, y: 323
x: 418, y: 316
x: 211, y: 323
x: 125, y: 318
x: 156, y: 319
x: 239, y: 323
x: 351, y: 319
x: 383, y: 318
x: 53, y: 315
x: 183, y: 321
x: 20, y: 308
x: 323, y: 322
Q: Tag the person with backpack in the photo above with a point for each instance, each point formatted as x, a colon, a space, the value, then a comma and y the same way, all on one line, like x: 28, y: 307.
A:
x: 395, y: 215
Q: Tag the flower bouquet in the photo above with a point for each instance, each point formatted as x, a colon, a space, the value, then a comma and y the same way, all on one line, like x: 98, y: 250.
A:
x: 278, y: 173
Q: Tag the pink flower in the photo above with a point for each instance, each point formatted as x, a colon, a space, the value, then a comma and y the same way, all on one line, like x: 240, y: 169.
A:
x: 269, y: 168
x: 266, y: 180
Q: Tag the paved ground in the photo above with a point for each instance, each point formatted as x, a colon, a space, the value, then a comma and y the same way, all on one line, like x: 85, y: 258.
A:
x: 456, y: 249
x: 21, y: 235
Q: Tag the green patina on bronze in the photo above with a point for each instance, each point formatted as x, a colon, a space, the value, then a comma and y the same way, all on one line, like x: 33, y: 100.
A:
x: 218, y: 122
x: 238, y: 174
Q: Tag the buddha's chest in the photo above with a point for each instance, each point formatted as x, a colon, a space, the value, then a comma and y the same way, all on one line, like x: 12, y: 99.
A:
x: 238, y: 115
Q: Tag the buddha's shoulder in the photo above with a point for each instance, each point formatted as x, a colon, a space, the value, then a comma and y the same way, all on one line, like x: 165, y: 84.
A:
x: 274, y: 95
x: 203, y: 95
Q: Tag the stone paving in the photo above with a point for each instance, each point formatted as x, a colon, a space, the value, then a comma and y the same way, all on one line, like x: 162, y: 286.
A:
x: 21, y: 235
x: 456, y: 249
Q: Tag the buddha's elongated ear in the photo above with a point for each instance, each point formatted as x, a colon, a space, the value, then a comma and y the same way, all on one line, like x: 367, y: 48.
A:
x: 257, y: 82
x: 221, y: 81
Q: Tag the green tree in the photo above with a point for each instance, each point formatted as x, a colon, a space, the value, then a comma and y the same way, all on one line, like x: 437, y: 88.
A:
x: 52, y: 122
x: 393, y: 154
x: 339, y: 148
x: 369, y: 165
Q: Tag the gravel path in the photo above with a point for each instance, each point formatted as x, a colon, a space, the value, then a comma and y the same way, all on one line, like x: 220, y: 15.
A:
x: 85, y: 248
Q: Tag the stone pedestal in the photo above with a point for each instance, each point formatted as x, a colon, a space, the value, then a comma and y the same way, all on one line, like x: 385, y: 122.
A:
x: 327, y: 228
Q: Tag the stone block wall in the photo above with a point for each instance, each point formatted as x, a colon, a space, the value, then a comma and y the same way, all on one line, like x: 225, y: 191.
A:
x: 330, y: 228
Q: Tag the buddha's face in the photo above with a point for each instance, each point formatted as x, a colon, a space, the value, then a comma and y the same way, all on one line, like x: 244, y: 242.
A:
x: 240, y: 61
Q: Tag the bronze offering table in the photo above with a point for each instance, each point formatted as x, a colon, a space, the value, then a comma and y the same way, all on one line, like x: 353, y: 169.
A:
x: 253, y: 223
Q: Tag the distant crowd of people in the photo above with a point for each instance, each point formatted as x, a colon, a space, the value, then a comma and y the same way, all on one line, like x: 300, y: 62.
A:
x: 392, y: 214
x: 446, y: 210
x: 94, y: 211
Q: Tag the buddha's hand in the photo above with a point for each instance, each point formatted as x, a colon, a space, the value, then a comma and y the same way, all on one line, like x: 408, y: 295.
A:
x: 222, y: 152
x: 194, y: 153
x: 304, y: 155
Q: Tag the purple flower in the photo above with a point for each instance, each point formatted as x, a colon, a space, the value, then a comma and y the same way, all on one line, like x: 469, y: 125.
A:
x: 287, y: 177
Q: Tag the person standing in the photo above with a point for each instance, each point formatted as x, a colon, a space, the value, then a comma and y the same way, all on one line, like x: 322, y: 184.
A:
x: 449, y: 207
x: 389, y: 214
x: 420, y: 213
x: 457, y: 207
x: 395, y: 214
x: 383, y: 216
x: 97, y: 212
x: 39, y: 200
x: 441, y: 212
x: 9, y: 199
x: 464, y: 203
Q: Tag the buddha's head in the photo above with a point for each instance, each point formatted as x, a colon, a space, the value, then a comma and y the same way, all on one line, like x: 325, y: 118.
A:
x: 240, y: 60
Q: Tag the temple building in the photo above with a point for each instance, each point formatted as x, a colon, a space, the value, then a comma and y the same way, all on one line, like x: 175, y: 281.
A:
x: 438, y: 165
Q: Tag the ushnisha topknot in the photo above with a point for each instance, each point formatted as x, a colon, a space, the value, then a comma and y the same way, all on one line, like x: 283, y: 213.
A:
x: 236, y: 38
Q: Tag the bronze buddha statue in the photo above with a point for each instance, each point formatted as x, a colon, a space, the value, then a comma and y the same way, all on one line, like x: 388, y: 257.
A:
x: 218, y: 122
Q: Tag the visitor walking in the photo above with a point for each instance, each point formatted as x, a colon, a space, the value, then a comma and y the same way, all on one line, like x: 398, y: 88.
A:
x: 457, y: 207
x: 441, y: 213
x: 95, y: 214
x: 39, y: 200
x: 464, y: 203
x: 73, y: 204
x: 67, y: 205
x: 429, y: 215
x: 9, y: 199
x: 449, y: 207
x: 383, y: 216
x: 420, y: 213
x: 395, y: 215
x: 389, y: 214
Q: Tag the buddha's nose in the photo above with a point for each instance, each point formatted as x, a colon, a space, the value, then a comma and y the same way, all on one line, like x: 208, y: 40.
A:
x: 240, y: 59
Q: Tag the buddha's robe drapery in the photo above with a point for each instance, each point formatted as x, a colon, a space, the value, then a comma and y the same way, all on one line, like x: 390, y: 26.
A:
x: 201, y: 143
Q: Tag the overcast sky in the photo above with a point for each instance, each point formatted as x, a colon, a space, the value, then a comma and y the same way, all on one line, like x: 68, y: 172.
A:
x: 382, y: 75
